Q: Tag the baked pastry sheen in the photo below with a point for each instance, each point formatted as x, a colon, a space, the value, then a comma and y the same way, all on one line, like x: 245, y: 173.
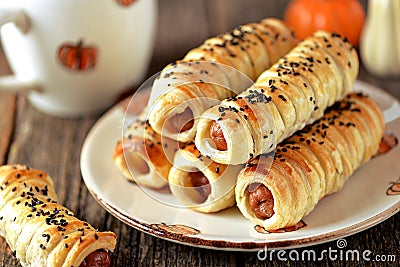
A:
x: 294, y: 92
x: 189, y: 86
x: 201, y: 184
x: 277, y: 191
x: 40, y: 231
x: 143, y: 156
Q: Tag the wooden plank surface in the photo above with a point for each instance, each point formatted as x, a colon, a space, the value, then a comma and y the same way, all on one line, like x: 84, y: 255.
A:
x: 7, y: 111
x: 30, y: 137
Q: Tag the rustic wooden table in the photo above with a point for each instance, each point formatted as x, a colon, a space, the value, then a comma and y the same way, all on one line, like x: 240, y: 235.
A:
x: 54, y: 145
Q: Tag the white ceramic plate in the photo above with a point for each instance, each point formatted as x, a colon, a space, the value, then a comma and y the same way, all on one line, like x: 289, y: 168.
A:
x: 370, y: 196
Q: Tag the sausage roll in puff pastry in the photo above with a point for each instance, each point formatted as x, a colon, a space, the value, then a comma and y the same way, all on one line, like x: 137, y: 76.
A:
x: 143, y: 156
x: 221, y: 67
x: 41, y: 232
x: 292, y: 93
x: 311, y: 164
x: 201, y: 184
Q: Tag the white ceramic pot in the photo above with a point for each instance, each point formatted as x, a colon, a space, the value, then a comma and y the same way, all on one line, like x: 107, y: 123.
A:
x: 76, y: 56
x: 380, y: 38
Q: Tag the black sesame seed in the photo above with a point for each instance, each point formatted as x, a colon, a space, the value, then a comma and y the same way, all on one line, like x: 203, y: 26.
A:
x: 327, y: 60
x: 47, y: 236
x: 282, y: 97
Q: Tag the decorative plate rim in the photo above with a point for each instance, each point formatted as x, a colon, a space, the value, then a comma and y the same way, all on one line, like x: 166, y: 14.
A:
x: 249, y: 245
x: 220, y: 244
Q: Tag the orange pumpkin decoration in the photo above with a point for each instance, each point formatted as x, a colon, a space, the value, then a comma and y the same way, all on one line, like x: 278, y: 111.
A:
x: 126, y: 2
x: 77, y: 57
x: 345, y: 17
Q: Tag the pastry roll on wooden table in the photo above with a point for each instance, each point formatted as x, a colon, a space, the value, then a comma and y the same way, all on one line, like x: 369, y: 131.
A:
x: 311, y: 164
x: 201, y: 184
x: 41, y: 232
x: 221, y: 67
x: 292, y: 93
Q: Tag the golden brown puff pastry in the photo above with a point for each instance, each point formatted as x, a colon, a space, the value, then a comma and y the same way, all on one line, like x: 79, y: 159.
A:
x: 294, y: 92
x: 143, y: 156
x: 221, y: 67
x: 201, y: 184
x: 41, y: 232
x: 277, y: 191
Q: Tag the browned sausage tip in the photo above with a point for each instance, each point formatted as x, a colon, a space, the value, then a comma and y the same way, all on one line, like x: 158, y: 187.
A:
x: 261, y: 201
x: 98, y: 258
x: 201, y: 183
x: 182, y: 122
x: 217, y: 136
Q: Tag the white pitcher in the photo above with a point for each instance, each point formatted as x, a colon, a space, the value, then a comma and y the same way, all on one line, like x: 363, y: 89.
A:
x: 76, y: 56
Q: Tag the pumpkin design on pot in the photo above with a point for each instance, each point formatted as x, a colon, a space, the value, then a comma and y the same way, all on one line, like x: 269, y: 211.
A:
x: 77, y: 57
x: 126, y: 2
